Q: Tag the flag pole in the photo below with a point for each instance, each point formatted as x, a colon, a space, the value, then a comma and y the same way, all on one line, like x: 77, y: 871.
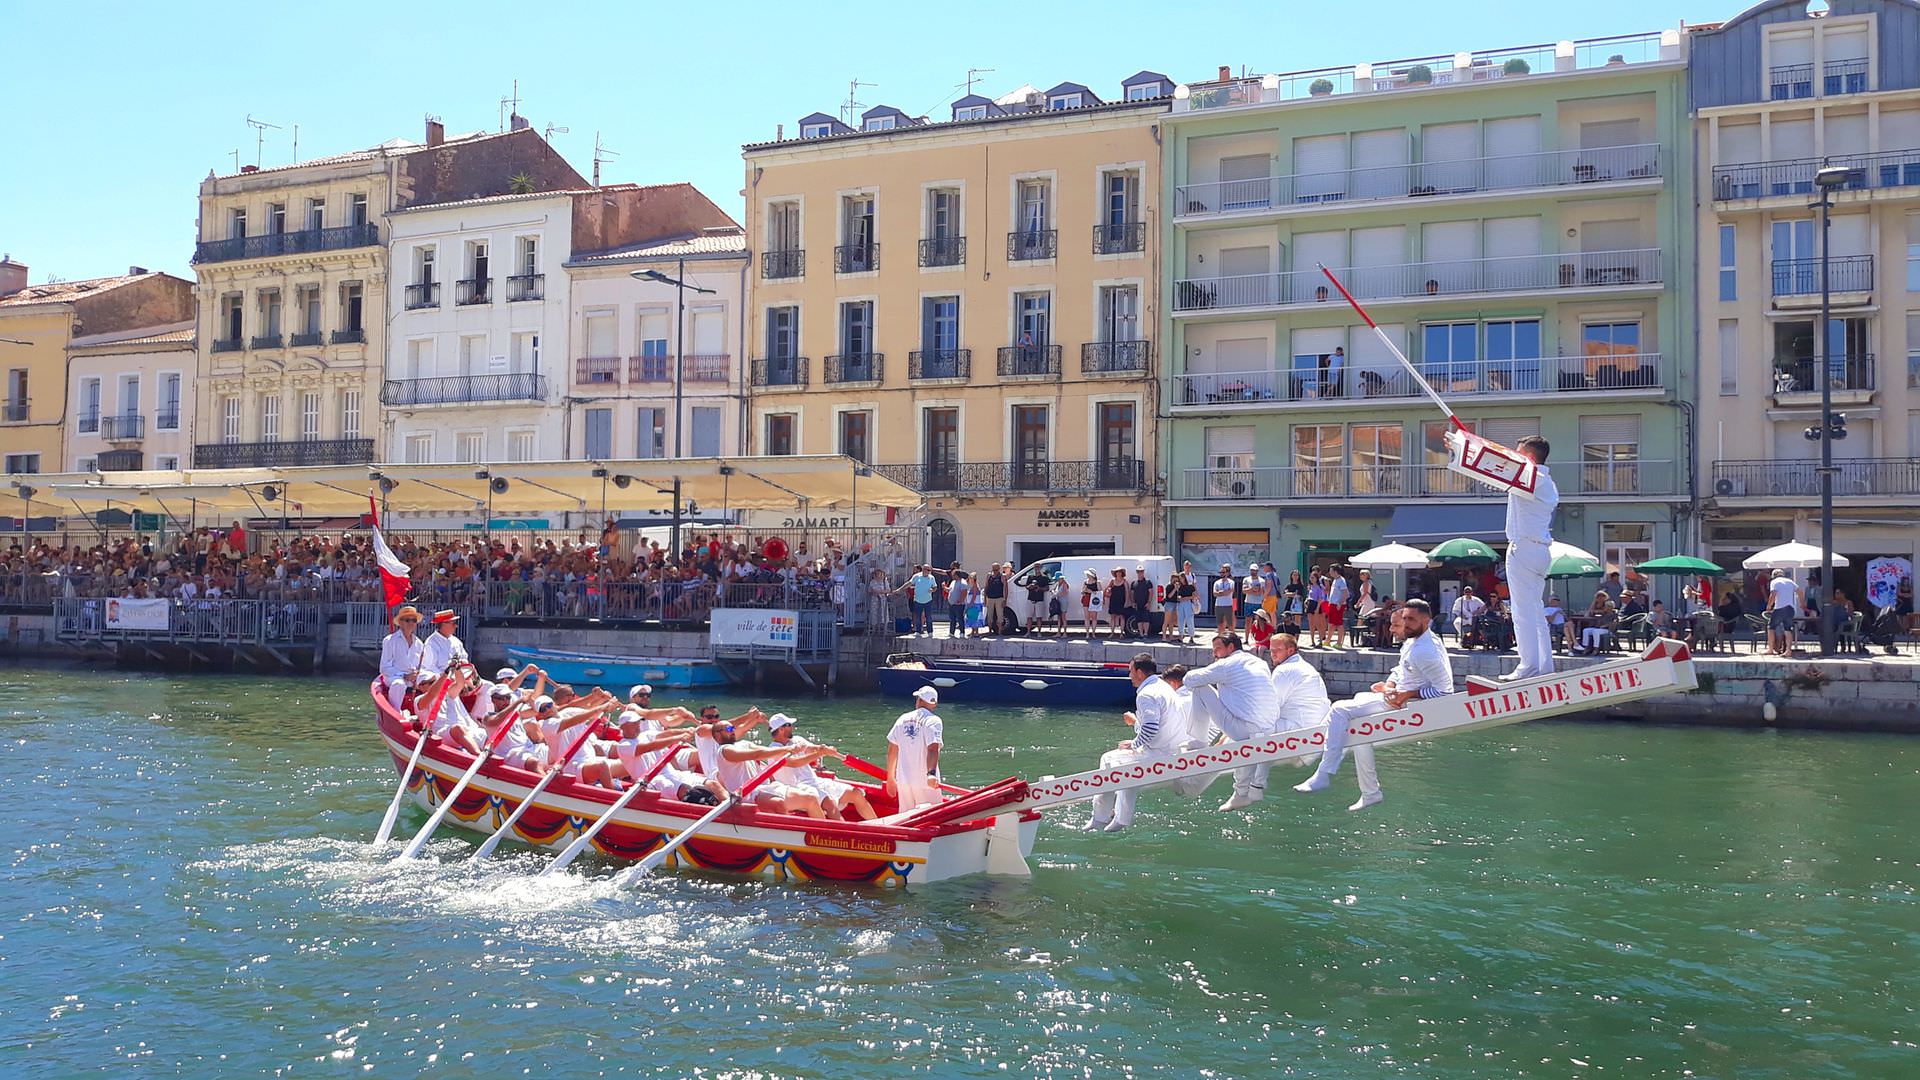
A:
x: 1418, y: 380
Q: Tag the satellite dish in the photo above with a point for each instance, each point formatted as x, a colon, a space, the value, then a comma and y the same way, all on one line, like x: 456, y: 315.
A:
x: 498, y: 485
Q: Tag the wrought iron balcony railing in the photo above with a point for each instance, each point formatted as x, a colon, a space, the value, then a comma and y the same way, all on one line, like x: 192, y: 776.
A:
x: 652, y: 368
x: 1843, y: 77
x: 943, y: 251
x: 780, y: 371
x: 1801, y: 277
x: 940, y: 364
x: 1119, y: 239
x: 1794, y: 376
x: 1029, y: 245
x: 424, y: 295
x: 125, y: 427
x: 88, y: 423
x: 1794, y: 176
x: 220, y: 345
x: 348, y: 337
x: 596, y: 370
x: 856, y: 258
x: 305, y: 339
x: 266, y: 341
x: 465, y: 389
x: 854, y: 368
x: 1030, y: 361
x: 526, y: 287
x: 992, y: 477
x: 167, y: 419
x: 783, y: 264
x: 303, y: 242
x: 270, y: 454
x: 706, y: 367
x: 120, y: 461
x: 473, y: 291
x: 1115, y: 357
x: 1851, y: 476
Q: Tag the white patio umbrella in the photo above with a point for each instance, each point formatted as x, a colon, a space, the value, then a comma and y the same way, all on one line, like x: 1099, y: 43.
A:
x: 1792, y: 555
x: 1392, y: 557
x: 1557, y: 549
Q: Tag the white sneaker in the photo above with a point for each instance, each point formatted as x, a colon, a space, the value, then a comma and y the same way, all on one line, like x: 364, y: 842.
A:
x: 1096, y: 825
x: 1368, y: 800
x: 1115, y: 826
x: 1514, y: 676
x: 1312, y: 784
x: 1240, y: 801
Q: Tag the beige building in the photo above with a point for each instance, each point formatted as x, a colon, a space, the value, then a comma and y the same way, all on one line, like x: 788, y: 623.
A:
x: 968, y: 306
x: 132, y: 400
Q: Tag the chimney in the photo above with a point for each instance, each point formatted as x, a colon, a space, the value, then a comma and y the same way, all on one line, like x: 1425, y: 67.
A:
x: 136, y: 271
x: 436, y: 132
x: 13, y: 276
x: 1226, y: 73
x: 516, y: 122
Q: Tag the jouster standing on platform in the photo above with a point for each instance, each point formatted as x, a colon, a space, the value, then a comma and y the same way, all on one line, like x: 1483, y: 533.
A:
x: 1529, y: 556
x: 400, y: 654
x: 441, y: 647
x: 1423, y: 672
x: 913, y: 753
x: 1235, y: 694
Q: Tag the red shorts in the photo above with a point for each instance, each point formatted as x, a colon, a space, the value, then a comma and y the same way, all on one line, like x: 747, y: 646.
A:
x: 1334, y: 612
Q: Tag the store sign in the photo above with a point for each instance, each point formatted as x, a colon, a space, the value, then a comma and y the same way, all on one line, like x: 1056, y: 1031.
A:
x: 754, y: 627
x: 1063, y: 519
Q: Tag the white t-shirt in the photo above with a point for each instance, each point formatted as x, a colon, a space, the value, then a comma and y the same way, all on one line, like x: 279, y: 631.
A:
x: 914, y: 733
x: 1784, y: 592
x: 1222, y: 592
x: 733, y: 775
x: 558, y: 741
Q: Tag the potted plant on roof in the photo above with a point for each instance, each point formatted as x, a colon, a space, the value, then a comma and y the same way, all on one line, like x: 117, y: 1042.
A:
x: 1419, y: 74
x: 1320, y: 87
x: 1516, y: 66
x: 1616, y: 59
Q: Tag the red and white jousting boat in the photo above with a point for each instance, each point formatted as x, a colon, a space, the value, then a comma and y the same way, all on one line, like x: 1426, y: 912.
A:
x: 989, y: 830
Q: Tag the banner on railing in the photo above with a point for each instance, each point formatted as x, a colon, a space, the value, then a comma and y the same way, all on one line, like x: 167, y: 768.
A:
x: 754, y: 627
x: 123, y: 614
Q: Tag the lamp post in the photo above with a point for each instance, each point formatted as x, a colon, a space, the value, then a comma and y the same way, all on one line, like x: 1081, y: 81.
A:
x: 1827, y: 179
x: 680, y: 288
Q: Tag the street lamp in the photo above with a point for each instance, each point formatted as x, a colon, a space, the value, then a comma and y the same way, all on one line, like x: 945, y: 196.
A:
x: 679, y: 334
x: 1827, y: 179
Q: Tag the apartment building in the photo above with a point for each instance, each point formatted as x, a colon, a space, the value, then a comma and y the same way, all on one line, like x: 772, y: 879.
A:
x: 1519, y: 224
x: 131, y: 399
x: 967, y: 305
x: 1780, y: 92
x: 293, y: 286
x: 46, y: 330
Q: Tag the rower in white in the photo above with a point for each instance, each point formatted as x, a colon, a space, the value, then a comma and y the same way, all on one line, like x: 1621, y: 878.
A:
x: 913, y: 753
x: 1423, y: 672
x: 441, y: 647
x: 400, y: 654
x: 1235, y: 696
x: 727, y: 757
x: 1530, y: 509
x: 836, y: 798
x: 1161, y: 730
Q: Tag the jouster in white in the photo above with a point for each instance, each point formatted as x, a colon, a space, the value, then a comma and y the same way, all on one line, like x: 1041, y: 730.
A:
x: 1532, y: 497
x: 1423, y: 672
x: 1235, y: 694
x: 913, y: 753
x: 1162, y: 729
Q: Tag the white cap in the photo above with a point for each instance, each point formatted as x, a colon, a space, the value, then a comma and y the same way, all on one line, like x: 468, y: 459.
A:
x: 628, y: 716
x: 927, y: 694
x: 543, y: 702
x: 778, y: 721
x: 1140, y: 567
x: 505, y: 674
x: 642, y: 688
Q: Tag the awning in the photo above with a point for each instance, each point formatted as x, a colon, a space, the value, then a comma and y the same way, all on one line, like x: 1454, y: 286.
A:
x: 1432, y: 524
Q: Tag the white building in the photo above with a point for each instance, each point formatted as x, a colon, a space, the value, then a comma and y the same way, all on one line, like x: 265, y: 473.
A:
x: 132, y: 399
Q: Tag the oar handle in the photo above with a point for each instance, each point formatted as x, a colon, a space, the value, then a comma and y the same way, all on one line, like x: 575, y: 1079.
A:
x: 766, y: 774
x: 879, y: 773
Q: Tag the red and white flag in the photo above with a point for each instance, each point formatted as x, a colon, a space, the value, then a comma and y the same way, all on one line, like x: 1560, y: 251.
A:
x: 395, y: 576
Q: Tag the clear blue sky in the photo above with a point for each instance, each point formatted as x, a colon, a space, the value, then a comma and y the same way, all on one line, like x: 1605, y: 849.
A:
x: 115, y: 111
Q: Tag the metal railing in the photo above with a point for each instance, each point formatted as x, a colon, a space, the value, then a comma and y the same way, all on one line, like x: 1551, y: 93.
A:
x: 472, y: 291
x: 653, y: 368
x: 940, y: 364
x: 1786, y: 82
x: 526, y: 287
x: 123, y: 428
x: 783, y: 264
x: 194, y: 622
x: 1116, y: 474
x: 423, y: 295
x: 120, y: 461
x: 706, y: 367
x: 854, y: 368
x: 1541, y: 375
x: 596, y: 370
x: 306, y: 339
x: 1801, y: 374
x: 1638, y: 267
x: 1631, y: 476
x: 1794, y: 176
x: 780, y: 371
x: 1028, y: 245
x: 1401, y: 481
x: 266, y: 341
x: 1843, y: 77
x: 1801, y: 277
x: 348, y: 337
x: 449, y: 389
x: 167, y: 419
x: 1115, y: 357
x: 338, y: 238
x: 1120, y: 238
x: 1544, y: 169
x: 269, y: 454
x: 943, y: 251
x: 1029, y: 361
x: 88, y: 423
x: 672, y: 602
x: 856, y: 258
x: 1852, y: 476
x: 220, y: 345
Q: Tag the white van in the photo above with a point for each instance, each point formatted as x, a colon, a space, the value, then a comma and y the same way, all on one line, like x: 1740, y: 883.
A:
x: 1074, y: 568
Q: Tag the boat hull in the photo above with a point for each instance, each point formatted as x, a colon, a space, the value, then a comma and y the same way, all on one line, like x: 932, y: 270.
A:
x: 1012, y: 683
x: 619, y: 673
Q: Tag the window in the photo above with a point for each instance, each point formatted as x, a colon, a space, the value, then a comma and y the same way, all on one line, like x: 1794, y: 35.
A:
x: 525, y: 355
x: 306, y: 299
x: 783, y: 332
x: 356, y: 210
x: 270, y: 313
x: 1610, y: 454
x: 231, y: 312
x: 940, y: 449
x: 1032, y: 211
x: 1624, y: 546
x: 943, y: 213
x: 856, y: 429
x: 477, y: 260
x: 419, y: 358
x: 230, y: 419
x: 783, y: 226
x: 470, y: 447
x: 23, y: 463
x: 856, y: 235
x: 1319, y: 457
x: 520, y: 444
x: 167, y: 462
x: 1729, y: 357
x: 316, y: 214
x: 169, y: 417
x: 1033, y: 324
x: 1435, y: 477
x: 1119, y: 313
x: 1115, y: 422
x: 276, y: 218
x: 780, y: 438
x: 309, y: 415
x: 423, y: 258
x: 1913, y: 351
x: 815, y: 131
x: 1728, y: 290
x: 129, y: 395
x: 970, y: 112
x: 1913, y: 252
x: 1610, y: 350
x: 1513, y: 354
x: 527, y: 260
x: 473, y: 354
x: 1064, y: 101
x: 1120, y: 198
x: 349, y: 414
x: 599, y: 434
x: 654, y: 365
x: 352, y: 307
x: 269, y: 417
x: 650, y: 432
x: 1143, y: 91
x: 1031, y: 451
x: 89, y: 405
x: 237, y: 223
x: 1377, y: 454
x: 878, y: 123
x: 705, y: 431
x: 1449, y: 356
x: 419, y: 449
x: 856, y: 333
x: 940, y: 325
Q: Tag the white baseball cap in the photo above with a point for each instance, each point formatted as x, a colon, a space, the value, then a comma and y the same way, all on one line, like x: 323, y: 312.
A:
x: 628, y: 716
x: 927, y: 694
x: 643, y: 688
x: 543, y: 702
x: 504, y: 674
x: 778, y: 721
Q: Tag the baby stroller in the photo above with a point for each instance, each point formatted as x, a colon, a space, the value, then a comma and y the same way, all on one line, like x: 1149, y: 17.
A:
x: 1885, y: 630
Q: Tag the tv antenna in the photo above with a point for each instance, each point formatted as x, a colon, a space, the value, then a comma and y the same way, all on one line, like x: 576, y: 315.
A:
x: 600, y: 152
x: 849, y: 107
x: 259, y: 137
x: 513, y: 100
x: 973, y: 76
x: 555, y: 129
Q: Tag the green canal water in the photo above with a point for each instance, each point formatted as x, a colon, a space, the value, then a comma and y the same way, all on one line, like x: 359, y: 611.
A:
x: 186, y: 890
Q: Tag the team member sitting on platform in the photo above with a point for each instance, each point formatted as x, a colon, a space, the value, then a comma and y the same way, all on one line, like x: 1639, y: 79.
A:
x: 913, y: 753
x: 836, y: 798
x: 1302, y: 693
x: 1161, y: 729
x: 1235, y: 695
x: 1423, y: 672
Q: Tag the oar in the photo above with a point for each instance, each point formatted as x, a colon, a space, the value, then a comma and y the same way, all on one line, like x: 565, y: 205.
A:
x: 400, y: 794
x: 426, y: 831
x: 580, y: 842
x: 879, y: 773
x: 486, y: 849
x: 659, y: 855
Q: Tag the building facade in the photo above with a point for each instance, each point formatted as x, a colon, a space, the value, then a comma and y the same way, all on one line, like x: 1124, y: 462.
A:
x: 132, y: 400
x: 968, y: 306
x: 1519, y: 224
x: 1778, y: 94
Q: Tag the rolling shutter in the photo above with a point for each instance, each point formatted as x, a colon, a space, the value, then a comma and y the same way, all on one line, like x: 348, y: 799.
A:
x: 1601, y: 430
x: 1785, y: 49
x: 709, y: 333
x: 1845, y: 43
x: 1383, y: 246
x: 1241, y: 354
x: 1610, y: 236
x: 1601, y: 133
x: 1320, y: 165
x: 1900, y: 129
x: 1509, y: 430
x: 1380, y: 164
x: 1849, y: 236
x: 1792, y: 139
x: 1513, y: 136
x: 1846, y: 134
x: 1512, y: 236
x: 600, y: 335
x: 1447, y: 153
x: 1311, y: 249
x: 1449, y: 253
x: 1369, y: 353
x: 1739, y: 144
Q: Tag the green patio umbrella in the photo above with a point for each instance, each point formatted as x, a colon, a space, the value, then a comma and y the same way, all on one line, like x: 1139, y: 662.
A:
x: 1462, y: 550
x: 1575, y: 566
x: 1681, y: 566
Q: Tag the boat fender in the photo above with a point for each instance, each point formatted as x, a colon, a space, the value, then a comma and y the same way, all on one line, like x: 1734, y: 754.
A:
x: 944, y: 684
x: 594, y: 671
x: 1033, y: 684
x: 651, y: 674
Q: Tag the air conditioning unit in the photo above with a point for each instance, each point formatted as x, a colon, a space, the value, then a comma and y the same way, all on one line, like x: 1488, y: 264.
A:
x: 1037, y: 100
x: 1728, y: 487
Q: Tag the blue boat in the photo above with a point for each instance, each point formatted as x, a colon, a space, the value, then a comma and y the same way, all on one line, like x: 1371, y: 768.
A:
x: 1007, y: 682
x: 619, y: 673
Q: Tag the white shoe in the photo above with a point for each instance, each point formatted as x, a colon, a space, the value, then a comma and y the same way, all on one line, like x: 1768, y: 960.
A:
x: 1115, y: 826
x: 1514, y: 676
x: 1368, y: 800
x: 1311, y: 784
x: 1096, y: 825
x: 1240, y: 801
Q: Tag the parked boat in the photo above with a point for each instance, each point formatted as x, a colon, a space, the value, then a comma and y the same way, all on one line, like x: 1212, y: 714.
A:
x: 1007, y: 682
x: 618, y: 673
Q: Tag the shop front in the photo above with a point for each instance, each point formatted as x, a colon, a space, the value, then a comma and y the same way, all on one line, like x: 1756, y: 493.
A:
x: 978, y: 535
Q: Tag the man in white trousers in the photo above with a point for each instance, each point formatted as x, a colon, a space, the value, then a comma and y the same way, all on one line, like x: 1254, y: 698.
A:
x: 1160, y: 730
x: 1529, y: 558
x: 1300, y: 689
x: 1423, y: 672
x: 400, y: 654
x: 1235, y: 695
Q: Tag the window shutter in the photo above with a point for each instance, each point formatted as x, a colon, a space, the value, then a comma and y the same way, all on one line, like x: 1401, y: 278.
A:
x: 1610, y: 430
x: 1385, y: 246
x: 1511, y: 429
x: 1792, y: 139
x: 1785, y: 49
x: 1512, y: 236
x: 1739, y: 144
x: 1601, y: 133
x: 1610, y: 236
x: 1320, y: 162
x: 1846, y: 134
x: 1379, y: 158
x: 1845, y: 43
x: 1900, y: 129
x: 1513, y: 136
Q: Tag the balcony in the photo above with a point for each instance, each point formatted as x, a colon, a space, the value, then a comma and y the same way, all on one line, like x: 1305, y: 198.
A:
x: 120, y: 461
x: 1117, y: 475
x: 597, y: 371
x: 304, y: 242
x: 1787, y: 82
x: 220, y: 345
x: 15, y: 412
x: 1794, y: 176
x: 1251, y: 391
x: 656, y: 368
x: 309, y: 339
x: 1115, y: 357
x: 1120, y: 239
x: 1637, y: 476
x: 275, y: 454
x: 348, y: 337
x: 266, y: 341
x: 780, y: 371
x: 1801, y: 479
x: 775, y: 265
x: 1032, y: 245
x: 939, y: 364
x: 1796, y: 380
x: 424, y: 295
x: 168, y: 418
x: 87, y: 423
x: 1637, y: 165
x: 854, y: 368
x: 856, y: 258
x: 1389, y: 483
x: 464, y: 389
x: 943, y: 251
x: 706, y: 368
x: 1030, y: 362
x: 524, y: 287
x: 1636, y: 269
x: 1843, y: 77
x: 127, y: 427
x: 1791, y: 82
x: 1801, y: 277
x: 470, y: 291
